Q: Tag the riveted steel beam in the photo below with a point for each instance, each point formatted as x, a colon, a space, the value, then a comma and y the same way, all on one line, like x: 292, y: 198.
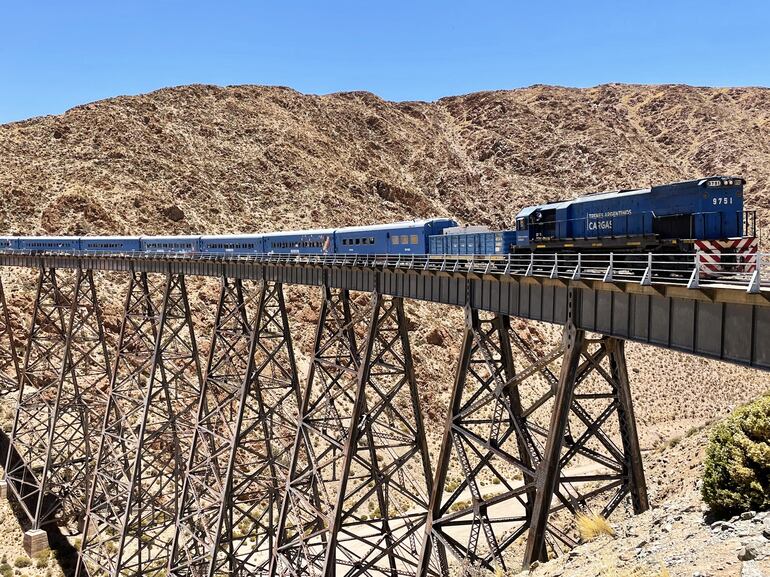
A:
x: 382, y: 497
x: 61, y: 400
x: 325, y: 417
x: 141, y: 464
x: 245, y: 429
x: 486, y: 444
x: 9, y: 359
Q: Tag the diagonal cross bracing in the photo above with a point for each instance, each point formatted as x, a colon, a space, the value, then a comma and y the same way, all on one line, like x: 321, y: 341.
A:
x: 484, y: 481
x: 9, y: 360
x: 245, y: 429
x: 324, y: 422
x: 61, y: 400
x: 149, y: 422
x: 582, y: 464
x: 377, y: 524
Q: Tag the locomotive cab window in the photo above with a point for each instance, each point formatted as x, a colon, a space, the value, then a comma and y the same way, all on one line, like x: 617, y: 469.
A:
x: 521, y: 224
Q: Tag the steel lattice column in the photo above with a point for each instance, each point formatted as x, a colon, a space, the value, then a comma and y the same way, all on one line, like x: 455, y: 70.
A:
x: 382, y: 498
x: 246, y: 428
x: 148, y: 427
x: 487, y: 440
x: 61, y: 401
x: 9, y: 360
x: 588, y: 394
x: 322, y: 432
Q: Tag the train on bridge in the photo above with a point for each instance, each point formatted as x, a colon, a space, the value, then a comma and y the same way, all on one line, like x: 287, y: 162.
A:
x: 705, y: 215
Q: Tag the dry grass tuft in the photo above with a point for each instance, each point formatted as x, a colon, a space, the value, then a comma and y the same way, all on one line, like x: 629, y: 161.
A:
x: 590, y: 526
x: 637, y: 571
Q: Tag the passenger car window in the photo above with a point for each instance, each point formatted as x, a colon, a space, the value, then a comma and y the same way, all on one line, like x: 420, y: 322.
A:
x: 404, y: 239
x: 414, y: 239
x: 395, y: 239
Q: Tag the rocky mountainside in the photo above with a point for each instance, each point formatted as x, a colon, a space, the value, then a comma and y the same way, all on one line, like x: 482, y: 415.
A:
x: 205, y: 159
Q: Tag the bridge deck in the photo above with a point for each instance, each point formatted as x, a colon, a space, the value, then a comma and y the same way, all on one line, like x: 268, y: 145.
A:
x: 720, y: 318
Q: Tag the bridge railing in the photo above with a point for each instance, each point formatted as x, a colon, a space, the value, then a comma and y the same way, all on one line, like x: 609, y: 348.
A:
x: 695, y: 270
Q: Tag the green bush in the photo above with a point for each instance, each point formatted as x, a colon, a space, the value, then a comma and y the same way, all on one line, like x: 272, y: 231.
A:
x: 22, y: 562
x: 736, y: 474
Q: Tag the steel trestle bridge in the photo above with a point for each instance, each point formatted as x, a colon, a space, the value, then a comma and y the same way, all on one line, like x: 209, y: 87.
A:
x: 219, y: 461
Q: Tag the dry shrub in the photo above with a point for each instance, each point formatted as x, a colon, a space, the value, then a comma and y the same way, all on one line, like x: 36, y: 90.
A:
x: 736, y: 473
x: 590, y: 526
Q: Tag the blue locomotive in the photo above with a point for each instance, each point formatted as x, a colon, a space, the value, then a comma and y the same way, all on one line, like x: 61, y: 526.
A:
x: 667, y: 216
x: 706, y: 215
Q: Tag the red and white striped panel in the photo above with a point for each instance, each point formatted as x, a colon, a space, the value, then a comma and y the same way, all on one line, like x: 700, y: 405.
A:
x: 709, y: 254
x: 745, y: 249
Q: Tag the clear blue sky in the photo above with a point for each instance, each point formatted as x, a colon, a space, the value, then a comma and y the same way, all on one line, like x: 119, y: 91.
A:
x: 57, y: 54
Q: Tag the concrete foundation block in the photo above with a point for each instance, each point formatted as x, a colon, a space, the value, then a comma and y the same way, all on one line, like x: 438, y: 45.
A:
x: 35, y: 542
x: 3, y: 489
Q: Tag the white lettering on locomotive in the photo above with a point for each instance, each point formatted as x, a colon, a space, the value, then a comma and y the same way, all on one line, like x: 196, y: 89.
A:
x: 610, y: 214
x: 600, y: 225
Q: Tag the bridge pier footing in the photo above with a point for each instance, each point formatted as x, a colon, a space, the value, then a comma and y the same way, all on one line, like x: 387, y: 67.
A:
x: 35, y: 542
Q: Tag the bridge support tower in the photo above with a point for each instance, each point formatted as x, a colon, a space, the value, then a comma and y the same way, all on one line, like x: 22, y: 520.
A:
x: 359, y: 477
x: 61, y: 402
x: 245, y: 431
x: 140, y: 468
x: 503, y: 430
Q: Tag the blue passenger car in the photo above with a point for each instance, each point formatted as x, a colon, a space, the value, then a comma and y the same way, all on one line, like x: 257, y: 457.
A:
x: 232, y: 244
x: 170, y: 244
x: 49, y: 243
x: 408, y: 237
x: 9, y: 243
x: 114, y: 244
x: 299, y: 242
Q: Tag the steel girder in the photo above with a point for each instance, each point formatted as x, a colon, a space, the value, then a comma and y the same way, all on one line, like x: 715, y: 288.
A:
x: 497, y: 436
x: 149, y: 422
x: 61, y: 400
x: 323, y: 428
x: 245, y: 431
x: 382, y: 498
x: 582, y: 464
x: 9, y: 360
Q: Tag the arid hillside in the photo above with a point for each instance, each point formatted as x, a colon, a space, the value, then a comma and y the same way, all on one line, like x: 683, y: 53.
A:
x: 256, y: 158
x: 205, y: 159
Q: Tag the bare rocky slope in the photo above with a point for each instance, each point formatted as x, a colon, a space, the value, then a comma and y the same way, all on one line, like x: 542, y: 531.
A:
x: 205, y: 159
